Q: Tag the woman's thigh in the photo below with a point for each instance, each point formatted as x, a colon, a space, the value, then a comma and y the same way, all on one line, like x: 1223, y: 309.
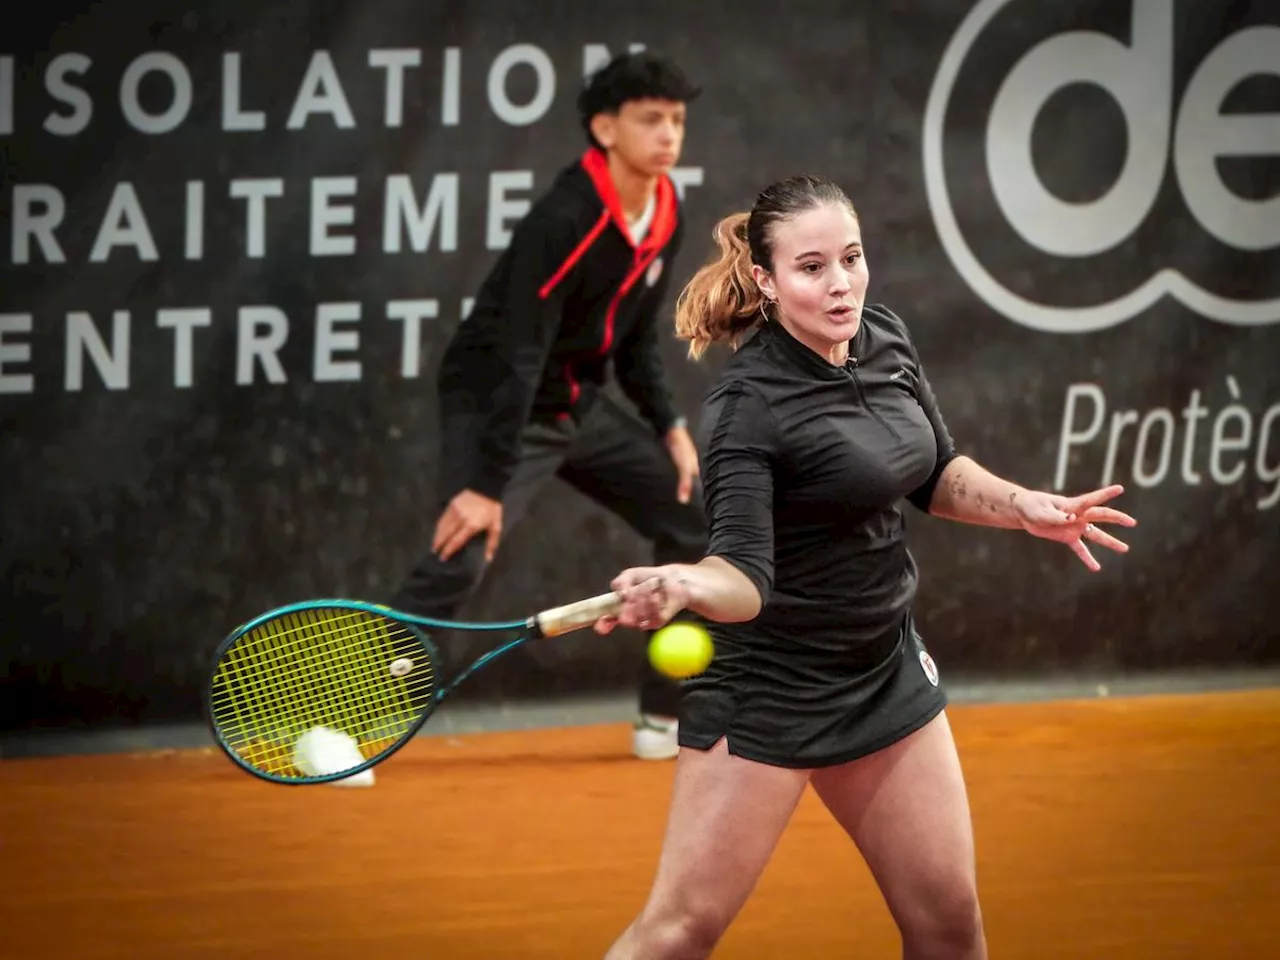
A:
x: 727, y: 815
x: 907, y: 809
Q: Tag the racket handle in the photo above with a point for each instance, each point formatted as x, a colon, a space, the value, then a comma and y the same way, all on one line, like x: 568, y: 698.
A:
x: 574, y: 616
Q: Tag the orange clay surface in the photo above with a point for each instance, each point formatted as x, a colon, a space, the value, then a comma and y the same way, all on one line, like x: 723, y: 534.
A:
x: 1135, y: 828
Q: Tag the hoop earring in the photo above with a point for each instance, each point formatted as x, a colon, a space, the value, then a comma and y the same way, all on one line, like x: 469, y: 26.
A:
x: 762, y: 310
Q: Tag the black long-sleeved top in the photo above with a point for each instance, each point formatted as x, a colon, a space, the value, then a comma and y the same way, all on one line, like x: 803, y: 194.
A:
x: 805, y: 467
x: 571, y: 293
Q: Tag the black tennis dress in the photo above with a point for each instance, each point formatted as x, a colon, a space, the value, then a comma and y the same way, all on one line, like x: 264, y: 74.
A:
x: 806, y: 467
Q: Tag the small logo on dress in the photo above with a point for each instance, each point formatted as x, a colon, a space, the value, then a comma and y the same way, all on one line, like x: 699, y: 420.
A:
x: 654, y: 272
x: 930, y: 668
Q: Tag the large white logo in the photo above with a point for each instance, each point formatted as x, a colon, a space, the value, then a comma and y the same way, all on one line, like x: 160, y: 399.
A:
x: 1140, y: 79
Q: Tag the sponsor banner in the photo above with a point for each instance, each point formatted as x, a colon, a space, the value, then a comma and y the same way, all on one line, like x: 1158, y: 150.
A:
x: 233, y: 244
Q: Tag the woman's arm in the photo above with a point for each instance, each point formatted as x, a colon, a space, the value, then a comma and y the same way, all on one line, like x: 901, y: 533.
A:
x: 962, y: 490
x: 969, y: 493
x: 713, y: 588
x: 733, y: 581
x: 717, y: 590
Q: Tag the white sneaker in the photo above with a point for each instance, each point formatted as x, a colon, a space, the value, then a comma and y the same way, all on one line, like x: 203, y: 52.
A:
x: 321, y: 751
x: 655, y: 738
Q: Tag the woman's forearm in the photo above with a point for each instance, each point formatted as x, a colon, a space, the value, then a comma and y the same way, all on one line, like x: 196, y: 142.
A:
x: 969, y: 493
x: 719, y: 591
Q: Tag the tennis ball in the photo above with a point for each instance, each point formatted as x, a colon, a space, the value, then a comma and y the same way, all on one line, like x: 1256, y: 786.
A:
x: 681, y: 649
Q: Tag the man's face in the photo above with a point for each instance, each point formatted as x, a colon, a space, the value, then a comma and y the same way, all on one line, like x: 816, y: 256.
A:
x: 645, y: 134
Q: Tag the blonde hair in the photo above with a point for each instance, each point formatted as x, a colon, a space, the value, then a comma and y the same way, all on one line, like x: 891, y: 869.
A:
x: 723, y: 300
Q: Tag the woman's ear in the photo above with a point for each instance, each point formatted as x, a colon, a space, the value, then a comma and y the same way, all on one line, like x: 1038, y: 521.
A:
x: 764, y: 281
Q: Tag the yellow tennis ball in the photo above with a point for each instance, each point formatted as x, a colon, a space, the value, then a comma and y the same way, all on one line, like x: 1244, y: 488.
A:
x: 681, y: 649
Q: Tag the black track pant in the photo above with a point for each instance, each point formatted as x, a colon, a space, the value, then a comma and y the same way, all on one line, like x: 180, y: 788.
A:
x: 615, y: 460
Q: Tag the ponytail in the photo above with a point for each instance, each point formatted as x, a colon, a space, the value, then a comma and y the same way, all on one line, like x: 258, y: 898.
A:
x: 722, y: 301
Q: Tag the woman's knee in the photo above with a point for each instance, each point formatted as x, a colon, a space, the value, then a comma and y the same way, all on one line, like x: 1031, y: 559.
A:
x: 944, y: 922
x: 688, y: 931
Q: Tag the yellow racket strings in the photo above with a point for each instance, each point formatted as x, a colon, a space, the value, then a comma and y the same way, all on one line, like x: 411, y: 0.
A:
x: 325, y: 667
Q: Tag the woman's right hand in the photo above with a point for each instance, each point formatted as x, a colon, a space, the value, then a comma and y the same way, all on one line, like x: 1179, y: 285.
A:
x: 651, y: 596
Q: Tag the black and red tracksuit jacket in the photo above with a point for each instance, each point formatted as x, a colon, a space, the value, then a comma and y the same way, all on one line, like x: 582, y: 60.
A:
x: 569, y: 294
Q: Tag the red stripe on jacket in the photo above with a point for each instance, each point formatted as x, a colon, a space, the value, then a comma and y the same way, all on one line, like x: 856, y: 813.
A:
x: 661, y: 228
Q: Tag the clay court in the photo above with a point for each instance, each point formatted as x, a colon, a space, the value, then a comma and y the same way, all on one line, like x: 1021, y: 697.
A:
x: 1140, y: 827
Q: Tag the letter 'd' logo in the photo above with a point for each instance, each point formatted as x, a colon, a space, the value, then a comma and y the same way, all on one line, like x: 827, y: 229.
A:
x: 1187, y: 136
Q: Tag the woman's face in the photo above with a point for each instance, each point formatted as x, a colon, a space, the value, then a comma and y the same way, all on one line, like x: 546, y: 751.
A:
x: 819, y: 278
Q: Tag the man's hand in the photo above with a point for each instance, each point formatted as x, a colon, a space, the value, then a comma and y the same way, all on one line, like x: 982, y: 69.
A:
x: 685, y: 456
x: 468, y: 513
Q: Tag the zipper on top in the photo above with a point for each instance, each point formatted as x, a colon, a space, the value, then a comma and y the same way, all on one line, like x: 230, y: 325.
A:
x: 851, y: 368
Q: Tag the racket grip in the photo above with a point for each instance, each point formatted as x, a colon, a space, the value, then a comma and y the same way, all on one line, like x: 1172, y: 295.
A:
x: 574, y: 616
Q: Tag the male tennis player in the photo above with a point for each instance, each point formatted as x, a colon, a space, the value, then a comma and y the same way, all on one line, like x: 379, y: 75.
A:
x: 521, y: 384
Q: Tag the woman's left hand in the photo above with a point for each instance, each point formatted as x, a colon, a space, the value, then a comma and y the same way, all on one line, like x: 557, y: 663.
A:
x: 1073, y: 520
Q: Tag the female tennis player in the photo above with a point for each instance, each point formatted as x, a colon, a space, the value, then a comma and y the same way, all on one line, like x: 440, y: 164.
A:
x: 822, y: 424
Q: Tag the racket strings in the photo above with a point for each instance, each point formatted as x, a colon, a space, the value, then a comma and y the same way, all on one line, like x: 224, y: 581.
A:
x: 356, y: 683
x: 264, y: 733
x: 275, y: 682
x: 340, y: 672
x: 346, y: 702
x: 319, y: 668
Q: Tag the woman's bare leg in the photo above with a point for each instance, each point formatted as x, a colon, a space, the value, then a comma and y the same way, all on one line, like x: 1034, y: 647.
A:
x: 726, y: 817
x: 907, y: 810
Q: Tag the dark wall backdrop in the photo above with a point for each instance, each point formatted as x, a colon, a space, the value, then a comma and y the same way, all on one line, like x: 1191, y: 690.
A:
x: 1076, y: 206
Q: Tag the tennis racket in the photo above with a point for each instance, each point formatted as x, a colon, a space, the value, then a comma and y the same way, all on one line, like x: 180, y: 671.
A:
x: 346, y: 681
